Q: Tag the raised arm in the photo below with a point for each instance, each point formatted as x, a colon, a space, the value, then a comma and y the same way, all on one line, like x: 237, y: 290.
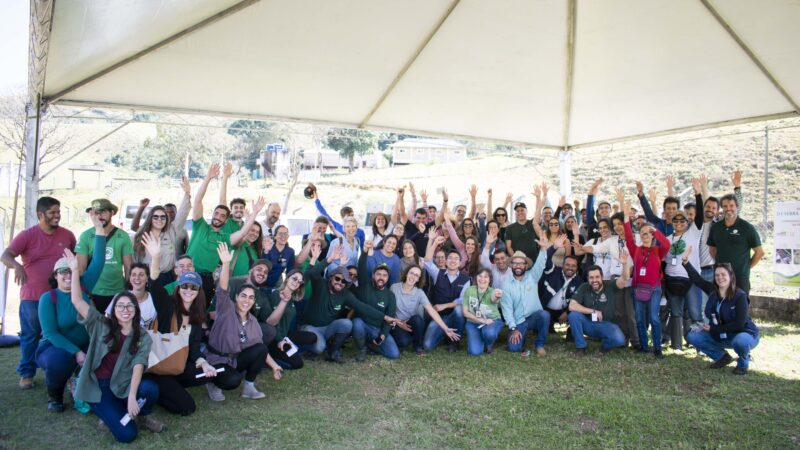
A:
x: 648, y: 211
x: 430, y: 250
x: 76, y: 295
x: 697, y: 279
x: 321, y: 210
x: 186, y: 205
x: 413, y: 206
x: 137, y: 218
x: 737, y: 188
x: 473, y: 192
x: 400, y: 206
x: 593, y: 190
x: 225, y: 257
x: 670, y: 181
x: 238, y: 236
x: 227, y: 171
x: 95, y: 269
x: 622, y: 281
x: 440, y: 217
x: 698, y: 202
x: 489, y: 209
x: 197, y: 207
x: 153, y: 248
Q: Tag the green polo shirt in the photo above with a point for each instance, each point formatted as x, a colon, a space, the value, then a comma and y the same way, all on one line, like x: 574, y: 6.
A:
x: 203, y: 245
x: 231, y: 226
x: 603, y: 302
x: 112, y: 278
x: 733, y: 245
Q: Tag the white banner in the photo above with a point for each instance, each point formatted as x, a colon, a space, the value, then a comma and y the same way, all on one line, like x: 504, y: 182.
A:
x: 786, y: 267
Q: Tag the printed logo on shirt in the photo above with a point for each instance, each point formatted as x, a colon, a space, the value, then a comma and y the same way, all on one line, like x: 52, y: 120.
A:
x: 735, y: 231
x: 337, y: 308
x: 109, y: 254
x: 602, y: 298
x: 381, y: 304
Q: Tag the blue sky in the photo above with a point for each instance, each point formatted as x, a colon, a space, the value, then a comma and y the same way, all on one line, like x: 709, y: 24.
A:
x: 13, y: 44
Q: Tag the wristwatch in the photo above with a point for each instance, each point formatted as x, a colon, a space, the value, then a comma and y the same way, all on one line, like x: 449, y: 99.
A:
x: 513, y: 329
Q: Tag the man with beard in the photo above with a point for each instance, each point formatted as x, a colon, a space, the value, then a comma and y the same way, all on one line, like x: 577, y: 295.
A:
x: 322, y: 312
x: 257, y: 276
x: 375, y: 294
x: 40, y: 246
x: 206, y: 238
x: 501, y: 272
x: 520, y: 304
x: 272, y: 219
x: 558, y: 283
x: 592, y: 310
x: 731, y: 239
x: 119, y: 255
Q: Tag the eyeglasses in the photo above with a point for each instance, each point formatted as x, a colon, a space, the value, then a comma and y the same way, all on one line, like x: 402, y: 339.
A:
x: 282, y: 234
x: 679, y: 220
x: 125, y: 306
x: 454, y: 258
x: 469, y: 225
x: 518, y: 264
x: 160, y: 217
x: 64, y: 272
x: 190, y: 287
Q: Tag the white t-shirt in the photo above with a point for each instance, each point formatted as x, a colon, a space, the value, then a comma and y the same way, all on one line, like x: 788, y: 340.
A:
x: 691, y: 237
x: 147, y: 309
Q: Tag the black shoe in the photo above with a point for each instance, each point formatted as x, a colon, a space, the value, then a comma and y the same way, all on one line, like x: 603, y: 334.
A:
x: 55, y: 406
x: 335, y: 356
x: 580, y: 353
x: 739, y: 371
x: 641, y: 349
x: 374, y: 348
x: 452, y: 348
x: 722, y: 362
x: 658, y: 354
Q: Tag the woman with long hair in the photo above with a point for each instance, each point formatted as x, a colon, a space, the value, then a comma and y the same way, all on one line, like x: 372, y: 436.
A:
x: 493, y: 229
x: 730, y: 324
x: 111, y: 380
x: 500, y: 216
x: 386, y: 255
x: 248, y: 250
x: 481, y: 310
x: 158, y: 224
x: 381, y: 227
x: 183, y: 310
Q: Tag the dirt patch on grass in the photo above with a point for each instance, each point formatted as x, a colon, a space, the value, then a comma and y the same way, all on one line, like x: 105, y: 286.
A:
x: 587, y: 424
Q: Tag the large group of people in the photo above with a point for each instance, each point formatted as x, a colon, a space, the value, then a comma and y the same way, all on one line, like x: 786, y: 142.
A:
x: 234, y: 298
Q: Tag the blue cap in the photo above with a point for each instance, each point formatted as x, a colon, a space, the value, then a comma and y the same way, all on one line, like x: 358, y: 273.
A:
x: 190, y: 278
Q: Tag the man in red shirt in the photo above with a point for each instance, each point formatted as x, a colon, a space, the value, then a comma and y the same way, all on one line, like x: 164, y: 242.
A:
x: 40, y: 246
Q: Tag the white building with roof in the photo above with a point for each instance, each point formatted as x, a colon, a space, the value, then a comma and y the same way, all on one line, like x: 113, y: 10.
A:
x: 415, y: 151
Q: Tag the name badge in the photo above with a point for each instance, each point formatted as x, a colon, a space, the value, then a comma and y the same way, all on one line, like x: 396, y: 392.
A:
x: 642, y: 271
x: 674, y: 261
x: 594, y: 316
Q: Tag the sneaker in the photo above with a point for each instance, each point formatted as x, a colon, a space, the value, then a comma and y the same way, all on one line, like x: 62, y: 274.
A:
x: 361, y: 354
x: 739, y: 371
x: 540, y: 352
x: 249, y: 391
x: 641, y: 349
x: 525, y: 353
x: 55, y: 406
x: 214, y: 393
x: 580, y: 353
x: 722, y: 362
x: 658, y: 354
x: 151, y: 424
x: 335, y: 357
x: 26, y: 383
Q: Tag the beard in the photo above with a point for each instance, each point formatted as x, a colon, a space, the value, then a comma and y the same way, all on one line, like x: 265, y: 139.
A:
x: 518, y: 272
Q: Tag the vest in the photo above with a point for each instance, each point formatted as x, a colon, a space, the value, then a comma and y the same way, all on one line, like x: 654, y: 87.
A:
x: 445, y: 292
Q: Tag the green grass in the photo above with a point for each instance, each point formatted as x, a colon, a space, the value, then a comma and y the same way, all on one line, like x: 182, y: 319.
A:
x: 624, y: 400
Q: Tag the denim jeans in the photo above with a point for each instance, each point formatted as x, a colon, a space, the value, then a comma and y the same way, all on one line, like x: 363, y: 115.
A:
x: 691, y: 300
x: 30, y: 332
x: 480, y: 338
x: 402, y: 337
x: 741, y: 343
x: 57, y: 363
x: 434, y: 334
x: 609, y: 333
x: 338, y: 326
x: 366, y: 332
x: 539, y: 320
x: 645, y: 310
x: 111, y: 409
x: 708, y: 275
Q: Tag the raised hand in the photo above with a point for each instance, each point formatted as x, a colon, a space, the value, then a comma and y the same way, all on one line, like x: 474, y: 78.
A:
x: 489, y: 192
x: 653, y: 196
x: 439, y: 240
x: 444, y: 195
x: 670, y: 180
x: 227, y: 170
x: 480, y: 208
x: 144, y: 202
x: 697, y: 185
x: 186, y: 187
x: 213, y: 171
x: 98, y: 225
x: 509, y: 197
x: 545, y: 188
x: 411, y: 188
x: 259, y: 204
x: 423, y: 194
x: 368, y: 246
x: 686, y: 253
x: 623, y: 256
x: 704, y: 181
x: 225, y: 255
x: 151, y: 244
x: 639, y: 188
x: 269, y: 242
x: 537, y: 191
x: 620, y: 194
x: 737, y: 178
x: 72, y: 260
x: 315, y: 252
x: 491, y: 235
x: 560, y: 240
x: 562, y: 201
x: 542, y: 243
x: 473, y: 191
x: 595, y: 186
x: 421, y: 227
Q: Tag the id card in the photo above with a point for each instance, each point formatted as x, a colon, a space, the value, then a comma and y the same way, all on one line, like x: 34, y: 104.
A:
x: 292, y: 348
x: 642, y: 271
x: 594, y: 316
x: 674, y: 261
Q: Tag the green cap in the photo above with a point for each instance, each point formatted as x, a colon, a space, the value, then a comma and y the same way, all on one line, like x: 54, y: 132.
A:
x: 103, y: 204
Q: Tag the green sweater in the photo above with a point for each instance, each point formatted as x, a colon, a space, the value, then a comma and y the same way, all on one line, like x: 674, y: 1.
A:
x: 88, y: 388
x: 382, y: 301
x: 325, y: 306
x: 59, y: 319
x: 268, y: 307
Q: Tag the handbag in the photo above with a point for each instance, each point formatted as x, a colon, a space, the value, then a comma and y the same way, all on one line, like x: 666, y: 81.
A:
x: 169, y: 351
x: 643, y: 292
x: 678, y: 285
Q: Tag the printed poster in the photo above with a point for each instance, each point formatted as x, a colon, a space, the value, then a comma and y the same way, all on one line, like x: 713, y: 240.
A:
x: 786, y: 262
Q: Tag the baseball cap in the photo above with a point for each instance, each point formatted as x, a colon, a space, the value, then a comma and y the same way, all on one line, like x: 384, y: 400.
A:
x: 519, y: 205
x: 341, y: 271
x: 61, y: 264
x: 190, y: 278
x: 262, y: 261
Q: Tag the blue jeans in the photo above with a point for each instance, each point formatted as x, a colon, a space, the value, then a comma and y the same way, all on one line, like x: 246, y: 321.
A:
x: 741, y: 343
x: 609, y: 333
x: 111, y: 408
x: 708, y: 275
x: 338, y: 326
x: 363, y: 331
x: 643, y: 310
x: 57, y: 363
x: 691, y: 300
x: 539, y: 320
x: 480, y: 338
x: 402, y: 337
x: 30, y: 332
x: 434, y: 334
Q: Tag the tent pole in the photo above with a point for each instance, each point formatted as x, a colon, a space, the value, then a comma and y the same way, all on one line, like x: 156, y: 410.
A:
x: 32, y: 124
x: 571, y: 10
x: 766, y: 175
x: 163, y: 43
x: 729, y: 29
x: 565, y: 173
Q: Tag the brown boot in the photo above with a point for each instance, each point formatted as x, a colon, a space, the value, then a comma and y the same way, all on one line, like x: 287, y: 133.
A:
x: 151, y: 424
x: 26, y: 383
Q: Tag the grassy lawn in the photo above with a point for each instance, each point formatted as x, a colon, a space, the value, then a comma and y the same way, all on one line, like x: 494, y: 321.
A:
x: 453, y: 400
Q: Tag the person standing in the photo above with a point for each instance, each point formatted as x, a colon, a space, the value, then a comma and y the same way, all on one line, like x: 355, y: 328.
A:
x: 39, y: 247
x: 731, y: 239
x: 520, y: 235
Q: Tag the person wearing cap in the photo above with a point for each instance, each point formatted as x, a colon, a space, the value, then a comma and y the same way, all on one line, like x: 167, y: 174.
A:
x: 64, y: 341
x: 181, y: 310
x: 183, y: 264
x: 682, y: 295
x: 373, y: 323
x: 39, y: 247
x: 603, y: 211
x: 520, y: 235
x: 323, y: 309
x: 522, y: 309
x: 206, y: 237
x: 119, y: 254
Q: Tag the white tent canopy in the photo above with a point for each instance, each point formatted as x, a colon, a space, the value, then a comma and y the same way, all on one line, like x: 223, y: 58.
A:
x: 554, y: 73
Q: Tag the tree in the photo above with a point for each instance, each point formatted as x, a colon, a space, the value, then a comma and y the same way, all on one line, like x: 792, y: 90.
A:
x: 349, y: 142
x: 251, y: 137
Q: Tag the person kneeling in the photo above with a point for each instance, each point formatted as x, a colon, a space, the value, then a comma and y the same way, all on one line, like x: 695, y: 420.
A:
x: 592, y: 310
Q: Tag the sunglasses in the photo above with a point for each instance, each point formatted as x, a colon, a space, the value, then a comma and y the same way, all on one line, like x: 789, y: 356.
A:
x: 500, y: 215
x: 190, y: 287
x: 338, y: 279
x: 160, y: 217
x: 64, y: 272
x: 469, y: 225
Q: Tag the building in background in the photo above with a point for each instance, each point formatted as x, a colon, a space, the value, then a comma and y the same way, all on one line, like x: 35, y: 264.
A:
x: 415, y: 151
